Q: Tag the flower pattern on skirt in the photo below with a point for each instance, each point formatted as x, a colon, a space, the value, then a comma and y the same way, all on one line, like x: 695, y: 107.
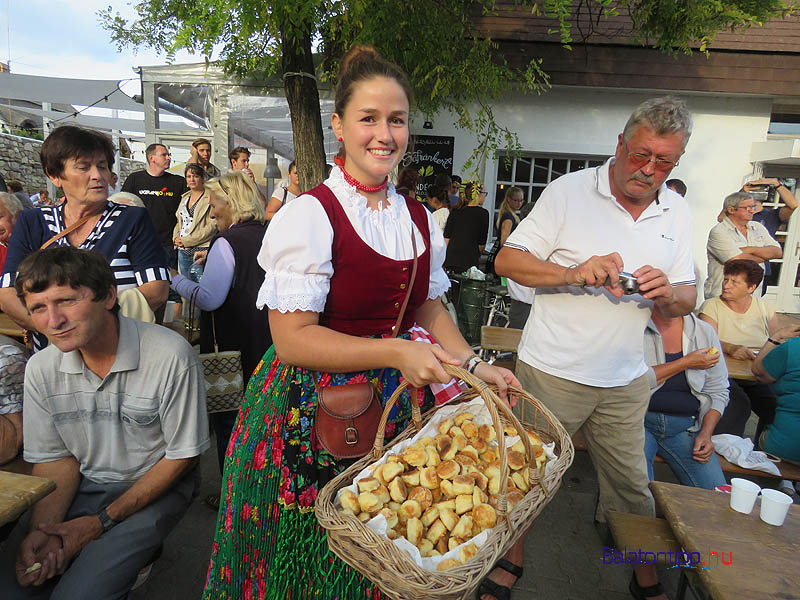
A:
x: 268, y: 543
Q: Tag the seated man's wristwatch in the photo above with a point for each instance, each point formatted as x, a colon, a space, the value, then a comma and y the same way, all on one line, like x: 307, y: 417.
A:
x: 106, y: 521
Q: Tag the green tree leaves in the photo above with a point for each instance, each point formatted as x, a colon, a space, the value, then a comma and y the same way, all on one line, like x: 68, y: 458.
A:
x: 451, y: 65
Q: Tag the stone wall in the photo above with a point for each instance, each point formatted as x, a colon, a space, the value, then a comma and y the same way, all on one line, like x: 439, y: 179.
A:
x: 19, y: 159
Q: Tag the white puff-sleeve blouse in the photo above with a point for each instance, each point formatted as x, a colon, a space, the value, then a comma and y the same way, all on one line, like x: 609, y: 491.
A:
x: 296, y: 251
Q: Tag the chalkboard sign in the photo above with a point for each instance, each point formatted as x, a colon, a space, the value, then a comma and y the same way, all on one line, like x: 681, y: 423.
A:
x: 432, y: 154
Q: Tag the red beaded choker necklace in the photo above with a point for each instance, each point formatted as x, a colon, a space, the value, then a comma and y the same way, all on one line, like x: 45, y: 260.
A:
x: 360, y: 186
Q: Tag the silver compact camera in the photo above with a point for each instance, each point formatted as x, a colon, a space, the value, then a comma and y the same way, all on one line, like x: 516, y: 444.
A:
x: 627, y: 282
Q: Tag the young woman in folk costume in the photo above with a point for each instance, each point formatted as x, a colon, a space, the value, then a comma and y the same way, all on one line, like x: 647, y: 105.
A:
x: 337, y: 262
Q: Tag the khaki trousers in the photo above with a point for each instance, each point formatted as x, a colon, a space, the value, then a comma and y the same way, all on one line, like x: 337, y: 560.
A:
x: 613, y: 424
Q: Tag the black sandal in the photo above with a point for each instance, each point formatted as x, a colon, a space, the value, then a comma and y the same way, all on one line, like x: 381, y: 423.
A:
x: 500, y: 592
x: 643, y: 593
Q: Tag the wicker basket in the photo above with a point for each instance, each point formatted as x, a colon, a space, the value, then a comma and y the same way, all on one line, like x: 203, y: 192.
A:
x: 391, y: 569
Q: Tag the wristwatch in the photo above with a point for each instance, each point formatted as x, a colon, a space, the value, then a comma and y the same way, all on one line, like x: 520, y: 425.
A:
x: 473, y: 362
x: 106, y: 521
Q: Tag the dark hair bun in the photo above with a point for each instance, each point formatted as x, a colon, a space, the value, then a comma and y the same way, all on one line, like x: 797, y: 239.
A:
x: 360, y: 53
x: 362, y: 63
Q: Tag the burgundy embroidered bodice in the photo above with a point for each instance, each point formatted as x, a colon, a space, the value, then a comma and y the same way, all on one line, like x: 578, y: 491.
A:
x: 367, y: 289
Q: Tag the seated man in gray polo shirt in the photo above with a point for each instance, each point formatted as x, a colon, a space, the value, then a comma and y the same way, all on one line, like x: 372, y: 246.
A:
x: 115, y: 414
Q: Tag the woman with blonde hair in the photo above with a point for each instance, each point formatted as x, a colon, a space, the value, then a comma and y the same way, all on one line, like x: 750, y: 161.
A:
x: 467, y: 229
x: 338, y: 263
x: 507, y: 217
x: 229, y: 286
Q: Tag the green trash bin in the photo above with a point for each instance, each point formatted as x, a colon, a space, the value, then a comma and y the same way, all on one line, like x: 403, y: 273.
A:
x: 471, y: 308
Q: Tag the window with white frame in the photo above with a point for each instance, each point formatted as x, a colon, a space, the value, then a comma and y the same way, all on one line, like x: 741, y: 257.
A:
x: 533, y: 172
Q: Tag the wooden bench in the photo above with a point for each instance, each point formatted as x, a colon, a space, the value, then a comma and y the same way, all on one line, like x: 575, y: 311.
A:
x: 788, y: 470
x: 501, y: 339
x: 636, y: 532
x: 632, y: 533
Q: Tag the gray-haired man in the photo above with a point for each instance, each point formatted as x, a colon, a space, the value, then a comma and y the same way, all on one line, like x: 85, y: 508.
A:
x: 737, y: 236
x: 582, y: 352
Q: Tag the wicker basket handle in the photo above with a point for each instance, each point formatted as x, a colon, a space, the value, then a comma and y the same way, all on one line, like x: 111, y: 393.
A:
x: 377, y: 448
x: 416, y: 416
x: 493, y: 403
x: 534, y: 476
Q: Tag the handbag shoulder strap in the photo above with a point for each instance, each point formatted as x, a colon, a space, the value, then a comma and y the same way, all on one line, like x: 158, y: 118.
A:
x: 193, y: 304
x: 193, y: 312
x: 214, y: 332
x: 398, y: 323
x: 66, y: 231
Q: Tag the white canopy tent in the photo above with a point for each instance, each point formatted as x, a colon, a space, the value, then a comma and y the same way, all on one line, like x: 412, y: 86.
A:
x: 51, y: 93
x: 132, y: 126
x: 178, y: 104
x: 81, y: 92
x: 226, y: 109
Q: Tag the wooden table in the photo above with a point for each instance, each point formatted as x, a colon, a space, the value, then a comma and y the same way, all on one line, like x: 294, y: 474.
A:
x: 763, y: 558
x: 740, y: 369
x: 18, y: 492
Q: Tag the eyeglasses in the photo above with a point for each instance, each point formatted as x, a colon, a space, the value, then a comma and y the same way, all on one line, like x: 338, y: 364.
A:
x: 639, y: 160
x: 750, y: 207
x: 223, y: 187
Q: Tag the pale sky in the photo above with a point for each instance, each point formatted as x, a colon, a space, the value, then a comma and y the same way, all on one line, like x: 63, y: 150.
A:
x: 59, y: 38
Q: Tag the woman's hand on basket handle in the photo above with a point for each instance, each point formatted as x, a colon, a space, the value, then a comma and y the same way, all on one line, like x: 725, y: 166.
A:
x: 500, y: 377
x: 420, y: 363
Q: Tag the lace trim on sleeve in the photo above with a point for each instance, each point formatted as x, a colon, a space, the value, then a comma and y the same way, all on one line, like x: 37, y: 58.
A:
x: 437, y: 288
x: 289, y: 292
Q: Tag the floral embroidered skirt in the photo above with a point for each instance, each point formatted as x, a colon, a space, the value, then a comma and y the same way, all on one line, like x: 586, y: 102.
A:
x: 268, y: 544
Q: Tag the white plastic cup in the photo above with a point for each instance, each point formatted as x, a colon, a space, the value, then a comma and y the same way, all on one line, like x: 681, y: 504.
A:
x: 743, y: 495
x: 774, y: 507
x: 169, y: 312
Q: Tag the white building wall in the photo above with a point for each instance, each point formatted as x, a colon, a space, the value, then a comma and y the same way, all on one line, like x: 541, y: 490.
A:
x: 587, y: 121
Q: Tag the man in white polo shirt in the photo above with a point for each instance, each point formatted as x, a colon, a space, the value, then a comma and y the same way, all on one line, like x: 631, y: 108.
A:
x: 115, y: 414
x: 737, y: 236
x: 582, y: 350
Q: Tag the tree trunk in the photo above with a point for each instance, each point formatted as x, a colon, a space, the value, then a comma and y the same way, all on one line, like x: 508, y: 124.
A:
x: 303, y: 98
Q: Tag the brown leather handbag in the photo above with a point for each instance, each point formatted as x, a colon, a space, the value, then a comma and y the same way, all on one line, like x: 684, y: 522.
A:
x: 347, y: 416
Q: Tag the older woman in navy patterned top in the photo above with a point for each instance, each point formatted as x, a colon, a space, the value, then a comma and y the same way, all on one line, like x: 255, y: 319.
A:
x: 79, y: 162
